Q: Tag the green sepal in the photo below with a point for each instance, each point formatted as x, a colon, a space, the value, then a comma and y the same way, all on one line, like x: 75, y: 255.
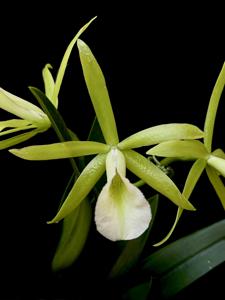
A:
x: 60, y: 150
x: 98, y: 92
x: 75, y: 230
x: 180, y: 149
x: 156, y: 178
x: 83, y: 185
x: 49, y: 84
x: 161, y: 133
x: 65, y: 60
x: 212, y: 109
x: 217, y: 183
x: 191, y: 181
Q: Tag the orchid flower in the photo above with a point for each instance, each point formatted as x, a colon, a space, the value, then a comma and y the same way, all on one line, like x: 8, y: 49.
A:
x: 205, y: 159
x: 32, y: 119
x: 122, y: 212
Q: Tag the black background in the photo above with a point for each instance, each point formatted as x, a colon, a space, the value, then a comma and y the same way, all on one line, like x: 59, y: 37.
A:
x: 160, y: 62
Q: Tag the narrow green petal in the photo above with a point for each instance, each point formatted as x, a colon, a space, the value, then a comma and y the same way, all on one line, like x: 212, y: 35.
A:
x: 193, y: 177
x: 178, y: 215
x: 64, y: 62
x: 74, y: 234
x: 98, y: 92
x: 217, y: 163
x: 121, y: 212
x: 60, y: 150
x: 181, y: 149
x: 85, y: 182
x: 13, y: 123
x: 21, y: 108
x: 217, y: 184
x: 17, y: 139
x: 49, y: 84
x: 219, y: 153
x: 13, y: 130
x: 156, y: 178
x: 212, y: 109
x: 161, y: 133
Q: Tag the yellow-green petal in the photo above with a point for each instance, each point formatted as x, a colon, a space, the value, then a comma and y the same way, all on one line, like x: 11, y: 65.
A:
x: 217, y: 163
x: 84, y: 184
x: 217, y: 184
x: 23, y: 109
x: 182, y: 149
x: 192, y: 178
x: 60, y: 150
x: 64, y: 62
x: 13, y: 123
x: 49, y: 84
x: 98, y: 92
x: 17, y: 139
x: 212, y: 109
x: 156, y: 178
x: 161, y: 133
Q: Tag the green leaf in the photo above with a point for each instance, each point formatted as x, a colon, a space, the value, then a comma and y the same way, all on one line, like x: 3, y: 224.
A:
x: 84, y: 184
x: 181, y: 149
x: 64, y: 62
x: 217, y: 184
x: 49, y: 84
x: 161, y: 133
x: 212, y: 109
x: 133, y: 248
x: 156, y: 178
x: 60, y: 150
x: 138, y: 292
x: 74, y: 234
x: 184, y: 261
x: 191, y: 181
x: 98, y: 92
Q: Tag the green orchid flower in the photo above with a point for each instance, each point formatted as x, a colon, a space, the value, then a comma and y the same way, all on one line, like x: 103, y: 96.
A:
x: 122, y: 212
x: 32, y: 119
x: 205, y: 159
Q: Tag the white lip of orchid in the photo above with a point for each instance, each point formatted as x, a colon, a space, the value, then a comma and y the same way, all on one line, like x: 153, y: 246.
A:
x: 122, y: 212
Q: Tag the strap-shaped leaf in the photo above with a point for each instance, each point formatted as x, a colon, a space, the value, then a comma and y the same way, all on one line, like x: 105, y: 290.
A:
x: 155, y: 177
x: 192, y: 178
x: 98, y: 92
x: 181, y: 149
x: 182, y: 262
x: 83, y: 185
x: 64, y: 62
x: 74, y: 234
x: 60, y: 150
x: 217, y: 184
x: 212, y: 109
x: 161, y: 133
